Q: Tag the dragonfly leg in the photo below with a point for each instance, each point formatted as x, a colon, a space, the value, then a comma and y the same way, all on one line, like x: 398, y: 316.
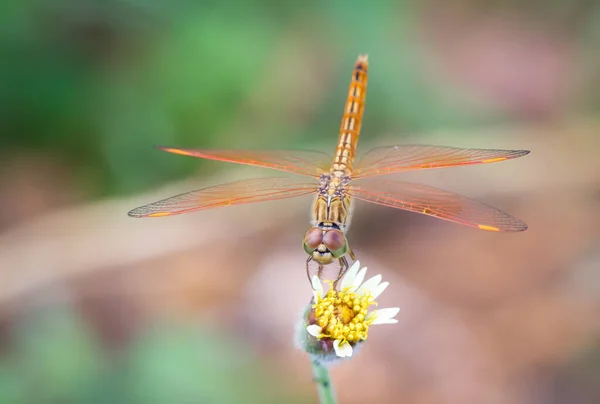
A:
x: 351, y: 253
x: 308, y: 269
x: 343, y: 269
x: 320, y: 271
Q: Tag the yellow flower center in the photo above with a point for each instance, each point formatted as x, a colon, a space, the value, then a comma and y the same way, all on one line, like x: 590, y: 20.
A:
x: 342, y: 315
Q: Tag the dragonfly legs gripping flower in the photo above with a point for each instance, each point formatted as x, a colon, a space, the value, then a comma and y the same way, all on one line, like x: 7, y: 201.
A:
x: 319, y: 271
x: 343, y: 268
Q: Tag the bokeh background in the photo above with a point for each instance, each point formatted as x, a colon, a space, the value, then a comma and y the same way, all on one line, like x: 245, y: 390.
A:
x: 97, y: 307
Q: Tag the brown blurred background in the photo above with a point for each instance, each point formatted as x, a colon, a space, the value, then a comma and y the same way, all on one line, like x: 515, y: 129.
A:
x: 97, y: 307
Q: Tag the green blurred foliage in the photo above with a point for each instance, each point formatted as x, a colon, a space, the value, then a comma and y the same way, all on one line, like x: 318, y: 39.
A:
x: 98, y: 83
x: 57, y: 360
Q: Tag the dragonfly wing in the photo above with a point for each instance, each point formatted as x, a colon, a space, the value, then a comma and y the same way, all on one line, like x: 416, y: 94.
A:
x: 435, y: 202
x: 392, y: 159
x: 233, y: 193
x: 306, y: 162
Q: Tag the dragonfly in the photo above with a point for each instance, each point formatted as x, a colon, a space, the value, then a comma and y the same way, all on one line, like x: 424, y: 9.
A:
x: 336, y: 181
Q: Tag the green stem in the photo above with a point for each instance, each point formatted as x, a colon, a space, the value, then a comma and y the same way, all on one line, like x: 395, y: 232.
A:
x: 324, y: 387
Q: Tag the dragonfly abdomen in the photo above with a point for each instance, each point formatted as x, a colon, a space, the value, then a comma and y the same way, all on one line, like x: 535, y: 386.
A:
x: 351, y: 121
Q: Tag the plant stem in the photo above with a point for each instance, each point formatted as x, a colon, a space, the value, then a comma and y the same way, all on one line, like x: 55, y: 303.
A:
x: 324, y: 387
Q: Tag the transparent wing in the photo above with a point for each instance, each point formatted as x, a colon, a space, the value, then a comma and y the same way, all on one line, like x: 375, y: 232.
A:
x: 233, y: 193
x: 306, y: 162
x: 435, y: 202
x: 392, y: 159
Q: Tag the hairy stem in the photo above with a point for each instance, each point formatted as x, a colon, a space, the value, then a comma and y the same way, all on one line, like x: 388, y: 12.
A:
x: 324, y: 387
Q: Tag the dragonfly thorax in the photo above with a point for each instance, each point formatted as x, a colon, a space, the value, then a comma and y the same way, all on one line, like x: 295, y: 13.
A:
x: 332, y: 204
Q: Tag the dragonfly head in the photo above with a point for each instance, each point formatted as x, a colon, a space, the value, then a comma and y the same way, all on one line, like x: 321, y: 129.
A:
x: 325, y: 244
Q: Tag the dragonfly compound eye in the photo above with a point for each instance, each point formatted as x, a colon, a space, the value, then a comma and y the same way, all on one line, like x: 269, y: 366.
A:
x: 312, y: 239
x: 335, y: 241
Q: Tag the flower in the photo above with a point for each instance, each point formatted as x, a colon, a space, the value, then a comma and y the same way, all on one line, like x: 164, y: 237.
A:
x: 340, y: 319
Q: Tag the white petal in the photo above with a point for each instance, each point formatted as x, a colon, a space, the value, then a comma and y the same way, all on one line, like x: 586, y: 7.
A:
x: 342, y: 350
x: 379, y: 289
x: 358, y: 279
x: 369, y: 285
x: 314, y: 330
x: 317, y: 287
x: 383, y: 316
x: 380, y: 321
x: 350, y: 275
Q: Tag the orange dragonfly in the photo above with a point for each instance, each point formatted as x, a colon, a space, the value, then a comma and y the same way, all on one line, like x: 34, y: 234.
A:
x: 335, y: 181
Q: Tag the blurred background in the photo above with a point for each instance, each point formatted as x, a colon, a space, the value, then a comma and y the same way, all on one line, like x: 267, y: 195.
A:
x: 97, y: 307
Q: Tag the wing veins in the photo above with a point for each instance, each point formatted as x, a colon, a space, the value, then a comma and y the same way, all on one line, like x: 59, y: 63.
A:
x: 423, y: 199
x: 303, y: 162
x: 238, y: 192
x: 391, y: 159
